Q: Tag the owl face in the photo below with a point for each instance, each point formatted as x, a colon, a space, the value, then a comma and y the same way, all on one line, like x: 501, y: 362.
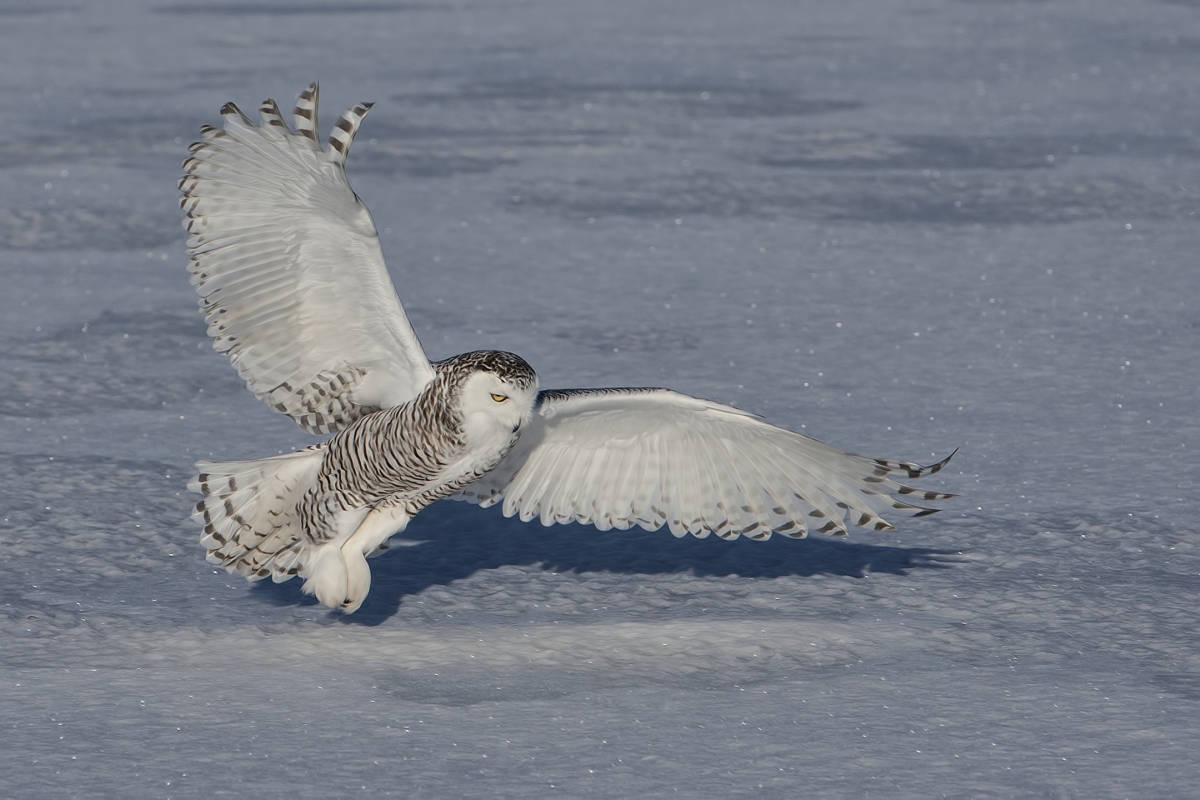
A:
x: 494, y: 407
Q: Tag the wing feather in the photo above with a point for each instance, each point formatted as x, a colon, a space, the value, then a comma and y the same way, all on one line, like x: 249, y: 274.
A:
x: 537, y: 481
x: 561, y: 508
x: 652, y: 498
x: 747, y: 510
x: 618, y: 500
x: 653, y: 457
x: 588, y: 501
x: 714, y: 481
x: 674, y: 483
x: 287, y: 263
x: 814, y: 490
x: 787, y: 516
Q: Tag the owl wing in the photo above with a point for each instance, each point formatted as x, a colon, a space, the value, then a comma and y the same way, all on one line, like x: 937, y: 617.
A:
x: 289, y: 270
x: 622, y: 457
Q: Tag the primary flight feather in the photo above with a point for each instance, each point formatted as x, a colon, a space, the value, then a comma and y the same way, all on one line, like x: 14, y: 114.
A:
x: 291, y: 278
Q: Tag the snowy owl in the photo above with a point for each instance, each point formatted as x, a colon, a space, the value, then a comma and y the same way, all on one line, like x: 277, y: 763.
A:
x: 293, y: 285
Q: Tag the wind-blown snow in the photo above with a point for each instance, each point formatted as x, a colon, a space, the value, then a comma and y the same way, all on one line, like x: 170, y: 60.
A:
x: 898, y: 227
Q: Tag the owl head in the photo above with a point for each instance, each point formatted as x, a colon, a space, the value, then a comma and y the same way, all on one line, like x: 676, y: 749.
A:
x: 496, y: 393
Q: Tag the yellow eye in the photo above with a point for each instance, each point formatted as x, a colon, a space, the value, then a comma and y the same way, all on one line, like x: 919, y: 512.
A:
x: 499, y: 398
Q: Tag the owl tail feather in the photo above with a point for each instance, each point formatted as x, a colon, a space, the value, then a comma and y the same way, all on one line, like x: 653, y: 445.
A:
x: 250, y: 512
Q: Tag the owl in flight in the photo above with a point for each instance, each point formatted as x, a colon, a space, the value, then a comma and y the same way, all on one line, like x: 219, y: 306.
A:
x: 291, y: 278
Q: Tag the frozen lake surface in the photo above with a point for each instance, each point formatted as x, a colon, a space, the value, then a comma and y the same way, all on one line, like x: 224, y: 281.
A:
x: 900, y: 228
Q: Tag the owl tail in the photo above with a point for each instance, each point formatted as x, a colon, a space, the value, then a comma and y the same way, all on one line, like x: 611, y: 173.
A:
x: 250, y: 512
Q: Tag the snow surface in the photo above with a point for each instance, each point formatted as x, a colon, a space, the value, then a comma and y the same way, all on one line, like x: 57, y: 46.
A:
x: 900, y: 227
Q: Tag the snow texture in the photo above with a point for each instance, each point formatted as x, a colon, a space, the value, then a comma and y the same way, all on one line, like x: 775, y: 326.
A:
x: 899, y: 227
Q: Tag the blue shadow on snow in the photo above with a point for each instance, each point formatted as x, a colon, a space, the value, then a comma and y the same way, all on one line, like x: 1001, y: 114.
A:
x: 458, y: 539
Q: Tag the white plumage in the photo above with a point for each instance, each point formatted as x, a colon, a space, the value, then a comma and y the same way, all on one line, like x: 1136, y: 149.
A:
x: 615, y: 458
x: 287, y: 263
x: 291, y: 277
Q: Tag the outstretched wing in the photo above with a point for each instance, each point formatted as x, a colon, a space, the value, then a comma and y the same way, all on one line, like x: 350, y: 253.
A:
x: 622, y: 457
x: 287, y: 263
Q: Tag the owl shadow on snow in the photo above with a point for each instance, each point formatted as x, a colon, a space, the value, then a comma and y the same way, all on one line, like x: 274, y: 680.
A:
x: 457, y: 540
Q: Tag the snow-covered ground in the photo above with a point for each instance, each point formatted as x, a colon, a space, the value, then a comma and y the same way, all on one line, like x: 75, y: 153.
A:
x: 899, y: 227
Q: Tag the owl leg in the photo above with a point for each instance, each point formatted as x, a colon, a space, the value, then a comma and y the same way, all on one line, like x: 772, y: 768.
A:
x: 325, y: 569
x: 374, y: 530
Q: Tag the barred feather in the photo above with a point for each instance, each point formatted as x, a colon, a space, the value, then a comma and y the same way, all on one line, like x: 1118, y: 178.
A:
x: 278, y: 244
x: 343, y: 131
x: 286, y: 262
x: 652, y: 457
x: 251, y: 512
x: 305, y: 114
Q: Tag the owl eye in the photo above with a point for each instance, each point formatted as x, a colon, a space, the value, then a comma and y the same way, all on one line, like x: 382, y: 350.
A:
x: 499, y: 398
